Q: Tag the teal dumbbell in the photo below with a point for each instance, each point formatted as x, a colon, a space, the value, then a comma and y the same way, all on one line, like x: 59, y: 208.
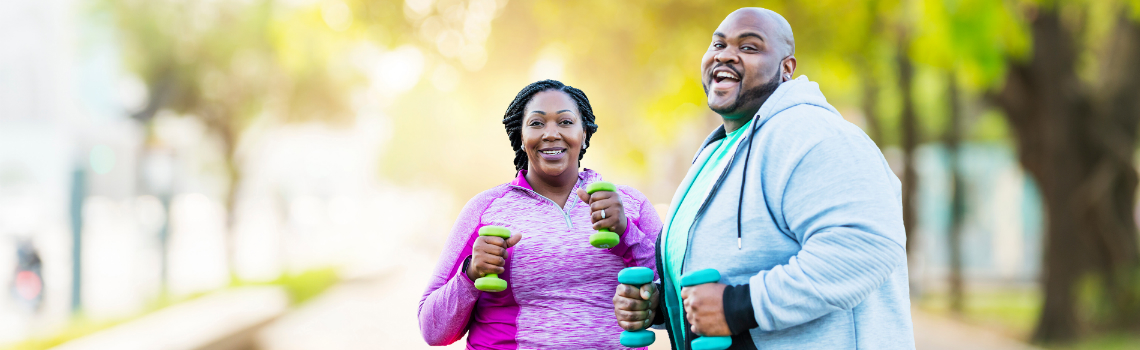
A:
x: 604, y: 238
x: 702, y: 277
x: 636, y: 276
x: 491, y: 282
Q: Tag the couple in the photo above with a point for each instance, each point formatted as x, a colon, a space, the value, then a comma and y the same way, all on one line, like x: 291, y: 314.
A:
x: 795, y: 207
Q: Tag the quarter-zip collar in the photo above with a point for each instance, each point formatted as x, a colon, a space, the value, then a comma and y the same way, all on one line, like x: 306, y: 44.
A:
x: 585, y: 176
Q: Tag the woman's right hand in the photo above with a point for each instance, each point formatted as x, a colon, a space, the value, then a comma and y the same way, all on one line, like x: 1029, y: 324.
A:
x: 489, y: 255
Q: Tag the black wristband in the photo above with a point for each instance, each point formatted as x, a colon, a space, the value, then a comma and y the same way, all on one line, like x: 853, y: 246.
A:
x: 659, y: 313
x: 466, y: 265
x: 738, y: 312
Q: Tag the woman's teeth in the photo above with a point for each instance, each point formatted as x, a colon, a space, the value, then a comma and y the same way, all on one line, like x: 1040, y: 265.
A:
x: 553, y: 152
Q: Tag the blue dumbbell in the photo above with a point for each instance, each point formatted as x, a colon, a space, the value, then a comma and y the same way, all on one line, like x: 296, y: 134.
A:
x: 702, y: 277
x: 636, y: 276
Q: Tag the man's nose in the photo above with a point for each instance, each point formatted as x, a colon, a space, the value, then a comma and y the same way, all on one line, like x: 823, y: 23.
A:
x: 728, y: 55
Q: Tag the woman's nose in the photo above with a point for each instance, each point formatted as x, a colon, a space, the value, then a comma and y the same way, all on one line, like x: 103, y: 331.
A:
x: 551, y: 133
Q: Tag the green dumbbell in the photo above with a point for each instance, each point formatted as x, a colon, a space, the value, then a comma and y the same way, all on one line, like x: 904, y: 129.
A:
x: 491, y: 282
x: 636, y: 276
x: 702, y: 277
x: 604, y: 238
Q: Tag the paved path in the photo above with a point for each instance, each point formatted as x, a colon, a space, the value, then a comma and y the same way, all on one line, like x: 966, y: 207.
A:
x: 940, y: 333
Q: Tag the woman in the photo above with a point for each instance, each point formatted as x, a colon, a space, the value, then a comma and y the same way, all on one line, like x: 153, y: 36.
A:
x: 559, y: 288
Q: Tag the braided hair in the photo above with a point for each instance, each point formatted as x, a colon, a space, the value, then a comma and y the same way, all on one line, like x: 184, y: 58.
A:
x: 513, y: 118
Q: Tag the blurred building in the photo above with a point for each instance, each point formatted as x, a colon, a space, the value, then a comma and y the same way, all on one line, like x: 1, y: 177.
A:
x: 1002, y: 227
x: 68, y: 150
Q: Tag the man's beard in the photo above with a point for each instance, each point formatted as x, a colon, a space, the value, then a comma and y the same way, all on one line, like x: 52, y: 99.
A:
x: 759, y: 93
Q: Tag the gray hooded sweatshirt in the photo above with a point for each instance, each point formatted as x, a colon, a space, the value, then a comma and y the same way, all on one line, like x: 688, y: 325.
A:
x: 805, y: 226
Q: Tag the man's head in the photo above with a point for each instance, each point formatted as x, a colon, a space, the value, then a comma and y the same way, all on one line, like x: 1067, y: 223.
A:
x: 752, y: 52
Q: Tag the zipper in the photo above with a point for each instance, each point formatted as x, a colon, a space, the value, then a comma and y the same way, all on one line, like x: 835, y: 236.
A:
x: 708, y: 199
x: 565, y: 215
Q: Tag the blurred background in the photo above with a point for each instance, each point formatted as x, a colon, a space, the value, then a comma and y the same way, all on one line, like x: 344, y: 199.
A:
x: 281, y: 174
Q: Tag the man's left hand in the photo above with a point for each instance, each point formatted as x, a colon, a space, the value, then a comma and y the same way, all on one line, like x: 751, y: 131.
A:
x: 704, y: 309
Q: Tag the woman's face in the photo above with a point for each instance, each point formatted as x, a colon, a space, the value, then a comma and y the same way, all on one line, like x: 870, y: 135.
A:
x: 552, y: 133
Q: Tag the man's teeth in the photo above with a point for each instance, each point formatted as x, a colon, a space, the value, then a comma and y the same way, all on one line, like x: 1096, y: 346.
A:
x: 726, y: 75
x: 553, y: 152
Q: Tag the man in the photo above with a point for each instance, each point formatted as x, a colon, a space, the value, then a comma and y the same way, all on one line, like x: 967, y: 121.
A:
x: 795, y: 207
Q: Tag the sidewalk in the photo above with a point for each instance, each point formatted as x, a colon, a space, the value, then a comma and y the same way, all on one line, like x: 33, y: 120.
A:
x: 373, y: 312
x: 932, y: 332
x: 380, y: 312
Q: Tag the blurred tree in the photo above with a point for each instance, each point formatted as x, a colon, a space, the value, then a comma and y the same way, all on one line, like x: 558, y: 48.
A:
x: 229, y: 63
x: 910, y: 139
x: 953, y: 139
x: 1065, y: 74
x: 1075, y: 110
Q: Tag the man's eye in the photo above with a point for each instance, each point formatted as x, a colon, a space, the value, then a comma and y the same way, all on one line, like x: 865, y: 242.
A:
x: 718, y: 45
x: 748, y: 48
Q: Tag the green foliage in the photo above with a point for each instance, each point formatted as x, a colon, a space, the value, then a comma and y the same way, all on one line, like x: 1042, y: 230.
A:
x: 301, y: 286
x: 990, y: 126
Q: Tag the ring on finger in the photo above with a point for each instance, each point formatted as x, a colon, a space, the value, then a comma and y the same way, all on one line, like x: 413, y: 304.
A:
x: 603, y: 214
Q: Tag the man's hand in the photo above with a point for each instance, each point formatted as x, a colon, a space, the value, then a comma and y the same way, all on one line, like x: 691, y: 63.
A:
x: 609, y: 203
x: 489, y: 255
x: 635, y: 307
x: 704, y: 309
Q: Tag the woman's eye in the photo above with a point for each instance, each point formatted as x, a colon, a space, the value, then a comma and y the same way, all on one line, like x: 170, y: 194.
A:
x: 567, y: 122
x: 535, y: 123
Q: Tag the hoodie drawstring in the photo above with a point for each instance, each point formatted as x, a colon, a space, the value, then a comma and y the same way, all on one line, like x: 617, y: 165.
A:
x: 743, y: 178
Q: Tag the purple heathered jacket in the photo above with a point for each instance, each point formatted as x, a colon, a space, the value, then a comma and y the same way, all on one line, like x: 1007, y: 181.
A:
x: 559, y: 288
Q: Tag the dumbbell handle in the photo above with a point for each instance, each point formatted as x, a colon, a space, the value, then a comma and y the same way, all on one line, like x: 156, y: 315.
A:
x: 698, y: 278
x: 636, y: 276
x: 604, y: 238
x: 491, y: 281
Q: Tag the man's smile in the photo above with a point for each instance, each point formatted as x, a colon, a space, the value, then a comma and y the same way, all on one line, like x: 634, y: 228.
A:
x: 724, y: 78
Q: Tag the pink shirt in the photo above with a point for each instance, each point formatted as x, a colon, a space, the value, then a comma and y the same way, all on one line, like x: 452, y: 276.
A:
x: 559, y: 287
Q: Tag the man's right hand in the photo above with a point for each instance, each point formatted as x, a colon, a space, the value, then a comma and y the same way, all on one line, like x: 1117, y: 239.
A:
x: 488, y: 255
x: 635, y: 307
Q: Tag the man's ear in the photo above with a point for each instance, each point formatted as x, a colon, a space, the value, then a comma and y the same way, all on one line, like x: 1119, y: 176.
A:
x: 787, y: 68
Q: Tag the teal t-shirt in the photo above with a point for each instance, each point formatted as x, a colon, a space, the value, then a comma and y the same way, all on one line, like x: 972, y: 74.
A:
x: 677, y: 230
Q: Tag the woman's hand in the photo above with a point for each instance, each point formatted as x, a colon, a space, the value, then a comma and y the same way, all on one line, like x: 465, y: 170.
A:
x: 489, y: 255
x: 605, y: 202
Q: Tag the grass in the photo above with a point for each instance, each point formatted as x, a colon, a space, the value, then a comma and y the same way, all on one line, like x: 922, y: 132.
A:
x: 300, y: 288
x: 1014, y: 313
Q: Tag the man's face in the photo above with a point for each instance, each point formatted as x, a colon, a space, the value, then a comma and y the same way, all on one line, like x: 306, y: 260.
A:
x: 742, y: 65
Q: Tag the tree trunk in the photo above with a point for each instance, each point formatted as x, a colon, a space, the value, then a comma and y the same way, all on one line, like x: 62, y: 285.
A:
x: 1078, y: 145
x: 229, y: 137
x: 957, y: 201
x: 1109, y: 194
x: 909, y: 124
x: 870, y: 106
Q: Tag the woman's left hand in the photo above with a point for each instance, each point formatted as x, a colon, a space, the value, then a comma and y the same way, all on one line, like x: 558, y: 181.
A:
x: 608, y: 203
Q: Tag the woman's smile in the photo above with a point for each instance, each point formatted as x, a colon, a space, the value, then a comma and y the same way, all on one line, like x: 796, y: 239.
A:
x: 553, y: 153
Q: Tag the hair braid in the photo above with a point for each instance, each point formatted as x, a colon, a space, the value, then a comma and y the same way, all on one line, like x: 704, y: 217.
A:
x: 512, y: 119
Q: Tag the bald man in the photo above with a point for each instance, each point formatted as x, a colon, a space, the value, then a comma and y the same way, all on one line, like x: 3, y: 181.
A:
x: 794, y: 206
